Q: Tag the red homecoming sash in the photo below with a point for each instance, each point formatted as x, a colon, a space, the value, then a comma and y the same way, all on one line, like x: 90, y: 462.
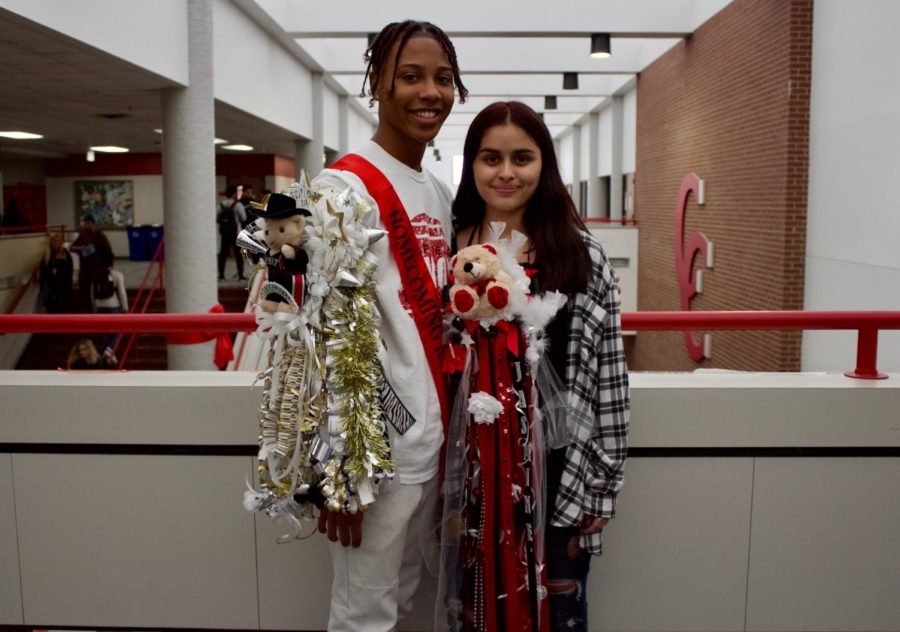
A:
x: 424, y: 297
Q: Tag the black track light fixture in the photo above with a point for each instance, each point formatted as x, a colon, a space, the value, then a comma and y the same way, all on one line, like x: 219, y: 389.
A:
x: 550, y: 102
x: 600, y: 45
x: 570, y: 81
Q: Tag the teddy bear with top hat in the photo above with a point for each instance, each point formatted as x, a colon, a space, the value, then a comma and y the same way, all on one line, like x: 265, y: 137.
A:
x: 284, y: 219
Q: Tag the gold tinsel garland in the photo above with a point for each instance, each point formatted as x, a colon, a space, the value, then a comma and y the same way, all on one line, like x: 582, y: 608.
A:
x: 354, y: 378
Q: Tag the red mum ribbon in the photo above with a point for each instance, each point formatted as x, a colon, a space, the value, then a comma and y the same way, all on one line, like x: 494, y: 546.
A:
x: 224, y: 349
x: 453, y: 358
x: 508, y: 328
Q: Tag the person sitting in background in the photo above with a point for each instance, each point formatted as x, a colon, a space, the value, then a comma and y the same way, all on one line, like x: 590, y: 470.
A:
x: 93, y: 249
x: 84, y: 357
x: 108, y: 296
x: 56, y: 276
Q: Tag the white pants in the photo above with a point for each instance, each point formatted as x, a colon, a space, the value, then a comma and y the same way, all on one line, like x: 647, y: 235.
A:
x: 374, y: 584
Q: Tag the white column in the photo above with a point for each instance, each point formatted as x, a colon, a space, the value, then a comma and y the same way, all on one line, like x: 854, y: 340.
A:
x: 616, y: 199
x: 189, y: 188
x: 308, y: 154
x: 343, y: 124
x: 596, y: 207
x: 576, y: 168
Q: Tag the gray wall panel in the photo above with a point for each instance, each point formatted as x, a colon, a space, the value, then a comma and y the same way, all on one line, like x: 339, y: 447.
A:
x: 675, y: 557
x: 153, y: 541
x: 294, y: 578
x: 10, y: 586
x: 825, y: 545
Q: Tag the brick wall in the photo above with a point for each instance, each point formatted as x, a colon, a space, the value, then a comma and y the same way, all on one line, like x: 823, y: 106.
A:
x: 731, y: 103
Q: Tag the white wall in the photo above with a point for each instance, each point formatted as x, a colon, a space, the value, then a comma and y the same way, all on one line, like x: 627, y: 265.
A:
x: 155, y: 37
x: 331, y: 116
x: 852, y: 256
x: 565, y: 157
x: 629, y: 131
x: 148, y: 198
x: 243, y: 52
x: 278, y: 184
x: 148, y: 205
x: 604, y: 157
x: 585, y: 131
x: 359, y: 128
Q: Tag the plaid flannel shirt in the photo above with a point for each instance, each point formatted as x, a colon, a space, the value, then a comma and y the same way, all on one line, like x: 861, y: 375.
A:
x: 599, y: 402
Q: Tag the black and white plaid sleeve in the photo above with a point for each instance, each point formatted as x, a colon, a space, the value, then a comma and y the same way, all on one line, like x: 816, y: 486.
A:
x: 599, y: 403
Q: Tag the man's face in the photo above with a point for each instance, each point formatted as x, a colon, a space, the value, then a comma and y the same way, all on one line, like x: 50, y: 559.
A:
x: 423, y: 91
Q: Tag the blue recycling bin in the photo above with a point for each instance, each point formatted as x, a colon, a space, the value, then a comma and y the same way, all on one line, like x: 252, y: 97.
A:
x: 154, y: 237
x: 137, y: 244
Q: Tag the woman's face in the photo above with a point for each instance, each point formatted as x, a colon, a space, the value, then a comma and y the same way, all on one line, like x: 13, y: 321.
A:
x: 84, y: 351
x: 507, y: 169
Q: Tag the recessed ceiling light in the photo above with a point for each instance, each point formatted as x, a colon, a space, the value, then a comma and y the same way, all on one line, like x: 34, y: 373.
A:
x: 238, y: 147
x: 20, y: 135
x: 110, y: 149
x: 158, y: 131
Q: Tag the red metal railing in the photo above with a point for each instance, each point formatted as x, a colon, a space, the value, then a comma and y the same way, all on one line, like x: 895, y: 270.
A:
x: 137, y: 306
x: 608, y: 220
x: 867, y: 324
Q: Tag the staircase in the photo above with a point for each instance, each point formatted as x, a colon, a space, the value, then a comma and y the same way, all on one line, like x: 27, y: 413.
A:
x: 49, y: 351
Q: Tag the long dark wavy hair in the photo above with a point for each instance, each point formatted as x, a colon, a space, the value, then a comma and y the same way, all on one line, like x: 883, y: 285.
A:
x: 550, y: 220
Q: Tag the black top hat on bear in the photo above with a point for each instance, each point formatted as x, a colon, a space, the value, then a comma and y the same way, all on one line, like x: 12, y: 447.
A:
x: 277, y: 206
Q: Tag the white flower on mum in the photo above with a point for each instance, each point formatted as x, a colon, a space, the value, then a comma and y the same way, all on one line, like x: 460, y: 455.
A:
x: 484, y: 407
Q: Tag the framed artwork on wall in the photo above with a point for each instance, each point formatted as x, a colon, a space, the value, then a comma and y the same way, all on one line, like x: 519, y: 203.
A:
x: 108, y: 202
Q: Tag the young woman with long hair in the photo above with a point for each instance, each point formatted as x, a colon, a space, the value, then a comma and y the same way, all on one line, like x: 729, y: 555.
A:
x: 510, y: 174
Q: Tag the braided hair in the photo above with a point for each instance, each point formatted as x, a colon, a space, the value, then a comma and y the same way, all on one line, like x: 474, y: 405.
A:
x: 376, y: 54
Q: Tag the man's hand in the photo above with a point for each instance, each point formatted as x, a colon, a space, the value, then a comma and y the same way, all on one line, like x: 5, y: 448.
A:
x: 346, y: 527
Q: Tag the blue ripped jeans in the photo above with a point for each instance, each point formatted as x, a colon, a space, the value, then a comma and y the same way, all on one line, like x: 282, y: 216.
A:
x: 568, y: 607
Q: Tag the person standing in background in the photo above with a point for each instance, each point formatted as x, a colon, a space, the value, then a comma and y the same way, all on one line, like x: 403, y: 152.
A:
x: 247, y: 197
x: 108, y: 296
x: 56, y: 276
x: 230, y: 217
x: 93, y: 250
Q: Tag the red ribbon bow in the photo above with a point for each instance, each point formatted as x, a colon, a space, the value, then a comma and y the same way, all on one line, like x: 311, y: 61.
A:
x: 224, y: 349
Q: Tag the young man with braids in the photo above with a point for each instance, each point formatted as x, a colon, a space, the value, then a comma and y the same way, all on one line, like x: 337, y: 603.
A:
x: 413, y: 76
